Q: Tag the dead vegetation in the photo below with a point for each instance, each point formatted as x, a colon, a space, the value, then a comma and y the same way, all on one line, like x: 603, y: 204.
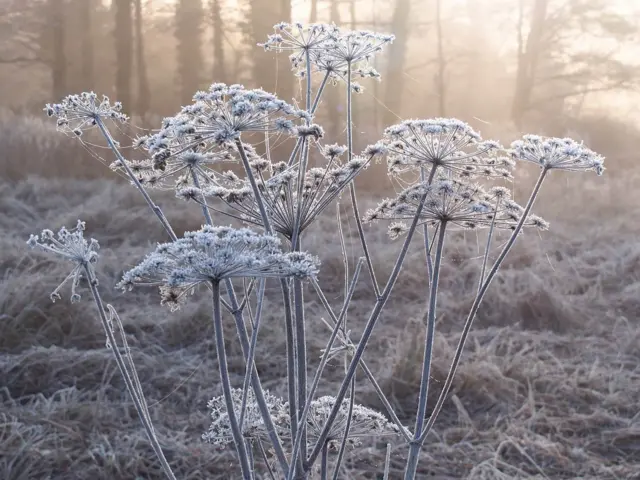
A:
x: 549, y: 388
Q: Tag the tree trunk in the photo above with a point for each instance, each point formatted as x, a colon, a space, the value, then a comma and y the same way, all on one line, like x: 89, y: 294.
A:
x: 313, y: 15
x: 85, y: 17
x: 218, y: 70
x: 144, y: 94
x: 58, y: 58
x: 528, y: 56
x: 440, y: 80
x: 395, y: 71
x: 124, y: 58
x: 188, y: 33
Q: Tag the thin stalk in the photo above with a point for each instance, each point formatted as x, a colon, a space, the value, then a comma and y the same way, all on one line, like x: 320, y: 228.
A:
x: 205, y: 208
x: 476, y: 304
x: 425, y: 228
x: 414, y: 449
x: 387, y: 463
x: 252, y: 352
x: 266, y: 460
x: 486, y: 252
x: 316, y: 102
x: 254, y: 186
x: 238, y: 438
x: 352, y: 188
x: 255, y: 381
x: 291, y: 357
x: 347, y: 427
x: 323, y: 360
x: 138, y: 398
x: 368, y: 330
x: 366, y: 369
x: 136, y: 182
x: 324, y: 462
x: 301, y: 351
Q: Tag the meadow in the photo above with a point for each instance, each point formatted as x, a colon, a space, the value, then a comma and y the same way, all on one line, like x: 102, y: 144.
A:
x: 549, y: 386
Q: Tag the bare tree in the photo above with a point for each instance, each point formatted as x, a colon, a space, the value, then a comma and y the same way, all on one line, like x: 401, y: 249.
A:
x: 558, y: 58
x: 263, y: 15
x: 124, y: 58
x: 440, y: 76
x: 188, y: 31
x: 143, y: 102
x: 85, y: 32
x: 313, y: 15
x: 395, y: 72
x: 58, y: 58
x: 219, y: 73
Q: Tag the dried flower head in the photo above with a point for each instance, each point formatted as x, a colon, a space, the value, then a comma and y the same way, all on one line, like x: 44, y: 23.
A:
x: 79, y: 112
x: 72, y: 245
x: 283, y: 198
x: 253, y: 427
x: 444, y: 143
x: 557, y: 153
x: 212, y: 254
x: 299, y: 40
x: 452, y: 201
x: 365, y: 422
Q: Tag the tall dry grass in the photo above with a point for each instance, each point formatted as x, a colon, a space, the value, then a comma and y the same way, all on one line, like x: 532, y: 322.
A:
x: 549, y: 388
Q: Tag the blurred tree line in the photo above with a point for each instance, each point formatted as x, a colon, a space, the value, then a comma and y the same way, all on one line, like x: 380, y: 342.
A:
x: 550, y: 56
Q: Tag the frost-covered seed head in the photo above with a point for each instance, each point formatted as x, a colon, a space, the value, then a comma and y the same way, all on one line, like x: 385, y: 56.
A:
x: 212, y: 254
x: 71, y: 245
x: 79, y: 112
x: 557, y: 154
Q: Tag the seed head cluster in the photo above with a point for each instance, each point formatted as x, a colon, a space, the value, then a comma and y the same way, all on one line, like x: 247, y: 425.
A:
x: 79, y: 112
x: 212, y: 254
x: 71, y: 245
x: 454, y: 202
x: 557, y: 154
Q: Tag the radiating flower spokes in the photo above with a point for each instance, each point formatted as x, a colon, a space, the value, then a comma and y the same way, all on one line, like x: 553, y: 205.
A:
x: 79, y: 112
x: 456, y: 202
x: 213, y: 254
x: 557, y: 154
x: 71, y: 245
x: 444, y: 143
x: 278, y: 185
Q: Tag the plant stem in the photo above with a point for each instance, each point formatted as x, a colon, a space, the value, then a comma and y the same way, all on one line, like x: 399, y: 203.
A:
x: 352, y: 187
x: 368, y: 330
x: 138, y: 397
x: 415, y: 446
x: 136, y: 182
x: 476, y: 304
x: 205, y: 209
x: 254, y: 186
x: 238, y: 438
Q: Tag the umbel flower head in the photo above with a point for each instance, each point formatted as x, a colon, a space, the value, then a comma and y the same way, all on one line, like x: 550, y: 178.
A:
x: 299, y: 40
x: 212, y: 254
x: 189, y: 166
x: 77, y: 113
x: 556, y: 153
x: 253, y: 427
x: 281, y: 196
x: 72, y: 245
x: 221, y: 114
x: 444, y: 143
x: 455, y: 202
x: 365, y: 422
